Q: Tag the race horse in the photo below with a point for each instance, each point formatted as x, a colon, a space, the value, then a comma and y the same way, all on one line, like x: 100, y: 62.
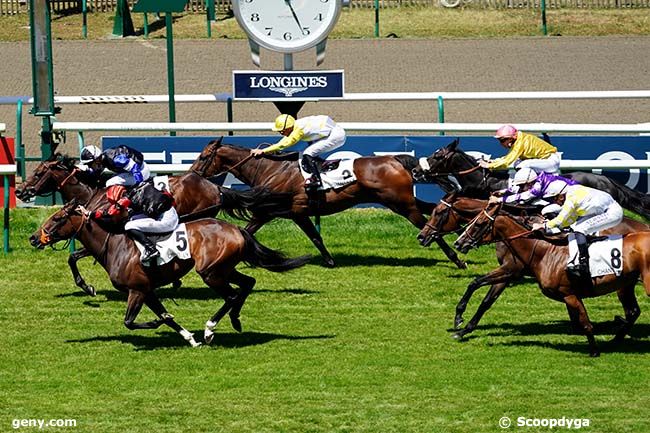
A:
x: 452, y: 213
x: 546, y: 258
x: 386, y: 180
x: 216, y: 247
x: 480, y: 182
x: 193, y: 195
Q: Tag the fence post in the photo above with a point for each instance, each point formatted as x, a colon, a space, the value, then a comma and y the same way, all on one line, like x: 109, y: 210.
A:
x: 6, y: 213
x: 544, y: 29
x: 20, y: 149
x: 145, y: 25
x: 229, y: 111
x: 441, y: 113
x: 84, y: 19
x: 376, y: 18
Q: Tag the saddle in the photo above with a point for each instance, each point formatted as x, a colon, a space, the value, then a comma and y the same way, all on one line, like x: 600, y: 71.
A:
x: 283, y: 156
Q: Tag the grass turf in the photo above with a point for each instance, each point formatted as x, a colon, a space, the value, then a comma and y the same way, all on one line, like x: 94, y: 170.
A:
x: 364, y: 347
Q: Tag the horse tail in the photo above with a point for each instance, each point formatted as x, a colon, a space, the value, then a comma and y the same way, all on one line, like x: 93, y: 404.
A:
x: 256, y: 254
x: 632, y: 199
x: 242, y: 204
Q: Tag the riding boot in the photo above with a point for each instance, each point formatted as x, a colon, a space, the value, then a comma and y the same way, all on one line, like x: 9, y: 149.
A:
x: 150, y: 250
x: 310, y: 165
x: 583, y: 254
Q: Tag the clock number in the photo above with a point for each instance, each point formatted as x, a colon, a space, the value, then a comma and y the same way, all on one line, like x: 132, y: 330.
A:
x: 305, y: 31
x: 268, y: 30
x: 287, y: 36
x: 255, y: 17
x: 319, y: 17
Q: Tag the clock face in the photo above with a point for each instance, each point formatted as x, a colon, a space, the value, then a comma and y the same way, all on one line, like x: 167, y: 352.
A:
x: 287, y: 25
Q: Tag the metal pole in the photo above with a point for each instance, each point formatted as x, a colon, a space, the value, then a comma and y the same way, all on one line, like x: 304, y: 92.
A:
x: 6, y: 214
x: 441, y: 113
x: 544, y: 29
x: 229, y: 112
x: 170, y: 69
x: 20, y: 149
x: 84, y: 19
x: 146, y: 25
x: 376, y: 18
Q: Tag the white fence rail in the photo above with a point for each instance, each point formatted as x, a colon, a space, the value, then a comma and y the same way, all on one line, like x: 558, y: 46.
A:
x: 633, y: 128
x: 3, y: 128
x: 397, y: 96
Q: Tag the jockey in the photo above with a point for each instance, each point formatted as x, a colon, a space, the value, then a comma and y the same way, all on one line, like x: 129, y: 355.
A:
x: 165, y: 219
x: 586, y: 211
x: 320, y: 132
x: 533, y: 186
x: 525, y: 150
x: 127, y: 163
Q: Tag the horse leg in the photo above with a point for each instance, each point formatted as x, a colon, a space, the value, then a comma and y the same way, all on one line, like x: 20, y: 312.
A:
x: 216, y: 281
x: 491, y: 296
x: 78, y: 279
x: 632, y: 312
x: 255, y: 224
x: 309, y: 229
x: 133, y: 306
x: 152, y: 301
x: 450, y: 253
x: 574, y: 303
x: 246, y: 285
x: 499, y: 275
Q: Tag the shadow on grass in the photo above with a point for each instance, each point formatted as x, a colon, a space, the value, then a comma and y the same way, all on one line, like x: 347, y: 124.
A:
x: 168, y: 293
x: 172, y: 340
x: 352, y: 260
x: 636, y: 342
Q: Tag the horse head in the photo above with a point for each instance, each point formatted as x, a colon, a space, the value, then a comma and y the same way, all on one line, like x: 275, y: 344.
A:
x: 53, y: 175
x: 443, y: 220
x: 207, y: 164
x: 63, y: 225
x: 480, y: 230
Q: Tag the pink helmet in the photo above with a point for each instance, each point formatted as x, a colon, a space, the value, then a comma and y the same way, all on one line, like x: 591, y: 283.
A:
x: 506, y: 131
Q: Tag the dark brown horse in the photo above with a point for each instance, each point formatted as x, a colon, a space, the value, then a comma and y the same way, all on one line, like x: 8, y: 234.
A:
x: 452, y: 161
x: 193, y: 194
x: 451, y: 214
x: 385, y: 180
x: 546, y: 258
x: 216, y: 247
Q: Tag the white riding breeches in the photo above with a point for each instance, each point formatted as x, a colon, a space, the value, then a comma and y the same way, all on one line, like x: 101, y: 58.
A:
x: 334, y: 140
x: 127, y: 179
x: 598, y: 220
x: 549, y: 165
x: 165, y: 222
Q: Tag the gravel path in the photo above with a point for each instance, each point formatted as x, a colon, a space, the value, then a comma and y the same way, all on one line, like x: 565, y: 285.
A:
x: 204, y: 66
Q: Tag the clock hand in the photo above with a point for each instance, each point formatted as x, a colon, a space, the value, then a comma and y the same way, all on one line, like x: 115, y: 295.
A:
x: 295, y: 17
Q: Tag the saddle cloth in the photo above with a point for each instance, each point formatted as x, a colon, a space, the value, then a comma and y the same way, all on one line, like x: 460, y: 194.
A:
x: 605, y: 257
x: 339, y: 177
x: 170, y: 245
x: 161, y: 183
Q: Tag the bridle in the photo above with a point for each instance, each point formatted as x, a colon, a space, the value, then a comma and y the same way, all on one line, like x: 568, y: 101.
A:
x: 45, y: 177
x: 47, y: 238
x: 209, y: 159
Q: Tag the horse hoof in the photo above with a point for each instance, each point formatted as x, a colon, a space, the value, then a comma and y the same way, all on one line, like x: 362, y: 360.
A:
x: 461, y: 265
x: 90, y: 290
x: 458, y: 322
x: 236, y: 324
x: 457, y: 336
x: 594, y: 354
x: 208, y: 336
x: 177, y: 284
x: 329, y: 263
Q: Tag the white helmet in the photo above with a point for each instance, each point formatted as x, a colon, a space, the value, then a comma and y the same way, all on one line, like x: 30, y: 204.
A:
x: 89, y: 154
x: 524, y: 175
x: 554, y: 188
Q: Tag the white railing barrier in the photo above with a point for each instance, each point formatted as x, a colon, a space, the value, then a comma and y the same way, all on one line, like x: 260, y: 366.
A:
x: 394, y: 96
x: 634, y: 128
x: 3, y: 128
x: 6, y: 170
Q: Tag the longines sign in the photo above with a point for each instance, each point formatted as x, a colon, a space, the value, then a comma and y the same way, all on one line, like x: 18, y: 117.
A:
x: 288, y: 85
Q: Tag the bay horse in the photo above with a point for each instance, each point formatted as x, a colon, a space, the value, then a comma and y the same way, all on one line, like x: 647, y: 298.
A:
x: 546, y: 258
x: 480, y: 182
x: 452, y: 213
x: 386, y: 180
x: 216, y: 247
x: 193, y: 195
